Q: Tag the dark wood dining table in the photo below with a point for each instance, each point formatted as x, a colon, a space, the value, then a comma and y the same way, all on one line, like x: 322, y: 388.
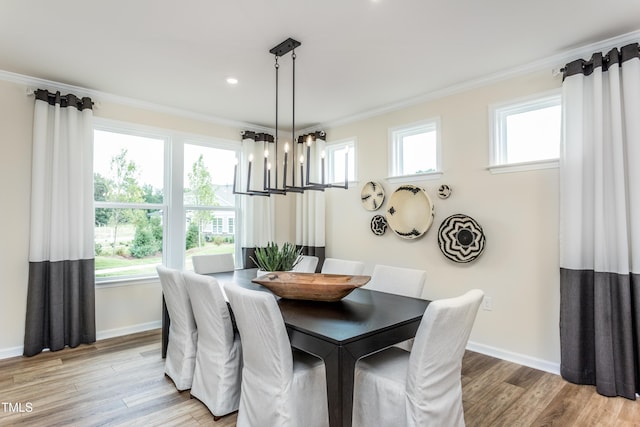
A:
x: 339, y: 333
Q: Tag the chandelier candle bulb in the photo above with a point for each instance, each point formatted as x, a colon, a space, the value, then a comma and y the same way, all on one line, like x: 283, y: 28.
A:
x: 308, y: 157
x: 249, y: 173
x: 264, y: 170
x: 302, y: 170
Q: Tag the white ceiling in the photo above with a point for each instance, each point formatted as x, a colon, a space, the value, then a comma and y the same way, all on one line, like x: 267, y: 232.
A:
x: 357, y: 56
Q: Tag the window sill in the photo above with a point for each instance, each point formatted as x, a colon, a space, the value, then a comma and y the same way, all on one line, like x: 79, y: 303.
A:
x: 128, y: 281
x: 525, y: 166
x: 413, y: 178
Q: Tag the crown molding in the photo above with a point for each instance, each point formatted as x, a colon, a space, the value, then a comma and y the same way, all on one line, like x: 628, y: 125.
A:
x: 553, y: 63
x: 99, y: 97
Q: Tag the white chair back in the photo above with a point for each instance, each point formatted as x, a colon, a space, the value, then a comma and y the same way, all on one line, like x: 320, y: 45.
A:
x: 307, y: 264
x: 213, y: 263
x: 435, y: 363
x: 181, y: 349
x: 342, y: 266
x: 279, y: 388
x: 217, y: 374
x: 408, y: 282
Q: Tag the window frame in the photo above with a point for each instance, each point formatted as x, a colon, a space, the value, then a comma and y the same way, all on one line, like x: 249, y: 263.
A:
x: 498, y: 113
x: 395, y: 138
x: 331, y: 147
x: 173, y: 207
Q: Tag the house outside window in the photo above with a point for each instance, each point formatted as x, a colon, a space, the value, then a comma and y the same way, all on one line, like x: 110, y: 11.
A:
x: 525, y: 134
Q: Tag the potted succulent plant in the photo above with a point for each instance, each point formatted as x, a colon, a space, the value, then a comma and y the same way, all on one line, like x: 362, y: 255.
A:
x: 274, y: 258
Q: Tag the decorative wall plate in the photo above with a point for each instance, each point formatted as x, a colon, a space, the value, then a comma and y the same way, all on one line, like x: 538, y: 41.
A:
x: 372, y: 196
x: 444, y: 191
x: 461, y: 238
x: 378, y: 225
x: 410, y: 212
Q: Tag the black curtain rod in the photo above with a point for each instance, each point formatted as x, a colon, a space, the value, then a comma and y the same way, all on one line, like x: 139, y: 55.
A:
x: 64, y: 100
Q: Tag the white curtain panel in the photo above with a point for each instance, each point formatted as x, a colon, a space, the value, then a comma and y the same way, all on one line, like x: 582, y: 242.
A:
x: 600, y: 222
x: 310, y: 205
x: 258, y: 212
x: 61, y: 300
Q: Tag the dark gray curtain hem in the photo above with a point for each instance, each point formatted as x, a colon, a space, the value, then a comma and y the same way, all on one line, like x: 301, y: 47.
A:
x: 317, y: 251
x: 60, y: 305
x: 247, y: 254
x: 599, y: 334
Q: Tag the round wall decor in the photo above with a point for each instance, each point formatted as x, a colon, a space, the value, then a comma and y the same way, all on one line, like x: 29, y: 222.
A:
x: 410, y: 212
x: 461, y: 238
x: 444, y: 191
x: 378, y: 225
x: 372, y: 196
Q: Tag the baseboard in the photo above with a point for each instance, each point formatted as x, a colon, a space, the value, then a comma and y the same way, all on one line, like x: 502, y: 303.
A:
x: 118, y: 332
x: 520, y: 359
x: 6, y: 353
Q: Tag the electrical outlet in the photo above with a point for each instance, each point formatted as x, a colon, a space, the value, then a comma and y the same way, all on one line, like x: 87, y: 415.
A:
x: 487, y: 303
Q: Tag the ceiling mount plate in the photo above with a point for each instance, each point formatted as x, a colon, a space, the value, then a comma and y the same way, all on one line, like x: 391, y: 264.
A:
x: 285, y: 47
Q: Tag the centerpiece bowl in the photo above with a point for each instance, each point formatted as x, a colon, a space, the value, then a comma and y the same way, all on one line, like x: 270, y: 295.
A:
x: 311, y: 286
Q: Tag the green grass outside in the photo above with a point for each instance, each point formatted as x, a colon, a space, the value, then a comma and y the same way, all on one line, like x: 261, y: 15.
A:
x: 147, y: 264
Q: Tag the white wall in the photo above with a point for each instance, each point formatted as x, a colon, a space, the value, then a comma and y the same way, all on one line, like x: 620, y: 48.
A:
x: 519, y: 268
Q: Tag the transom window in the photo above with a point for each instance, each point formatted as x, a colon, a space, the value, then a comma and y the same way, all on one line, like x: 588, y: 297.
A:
x: 414, y: 149
x: 527, y: 133
x: 336, y: 153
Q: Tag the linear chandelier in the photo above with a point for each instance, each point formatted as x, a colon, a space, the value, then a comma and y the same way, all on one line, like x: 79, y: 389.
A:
x: 308, y: 175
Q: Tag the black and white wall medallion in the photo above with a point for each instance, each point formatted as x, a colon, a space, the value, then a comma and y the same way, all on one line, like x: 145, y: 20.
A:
x: 444, y: 191
x: 410, y: 212
x: 372, y: 196
x: 461, y: 238
x: 378, y: 225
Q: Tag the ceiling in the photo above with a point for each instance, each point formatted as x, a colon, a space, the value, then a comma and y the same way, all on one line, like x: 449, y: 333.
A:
x: 357, y: 56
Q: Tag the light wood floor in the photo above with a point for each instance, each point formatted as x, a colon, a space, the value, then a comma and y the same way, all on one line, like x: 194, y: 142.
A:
x: 120, y: 381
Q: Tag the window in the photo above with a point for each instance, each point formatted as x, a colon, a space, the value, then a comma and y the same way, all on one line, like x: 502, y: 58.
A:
x: 414, y: 150
x: 129, y: 203
x: 209, y: 200
x: 159, y: 198
x: 336, y: 153
x: 526, y: 134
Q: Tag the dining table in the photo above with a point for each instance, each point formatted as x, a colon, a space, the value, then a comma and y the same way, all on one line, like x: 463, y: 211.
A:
x: 340, y: 333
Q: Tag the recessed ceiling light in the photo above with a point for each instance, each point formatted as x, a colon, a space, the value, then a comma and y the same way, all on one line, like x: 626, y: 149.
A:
x: 232, y: 80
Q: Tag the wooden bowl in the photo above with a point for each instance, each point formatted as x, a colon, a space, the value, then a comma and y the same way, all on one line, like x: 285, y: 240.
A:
x: 311, y: 286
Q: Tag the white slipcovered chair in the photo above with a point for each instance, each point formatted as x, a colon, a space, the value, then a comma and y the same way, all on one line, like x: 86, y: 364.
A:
x: 281, y: 386
x: 407, y: 282
x: 342, y: 266
x: 422, y: 388
x: 218, y: 368
x: 307, y: 264
x: 213, y: 263
x: 181, y: 349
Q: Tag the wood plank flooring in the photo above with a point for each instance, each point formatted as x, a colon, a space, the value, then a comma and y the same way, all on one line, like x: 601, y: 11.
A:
x: 121, y: 382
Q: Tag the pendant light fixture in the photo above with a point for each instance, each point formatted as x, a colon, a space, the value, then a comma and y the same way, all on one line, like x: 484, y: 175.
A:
x: 290, y: 184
